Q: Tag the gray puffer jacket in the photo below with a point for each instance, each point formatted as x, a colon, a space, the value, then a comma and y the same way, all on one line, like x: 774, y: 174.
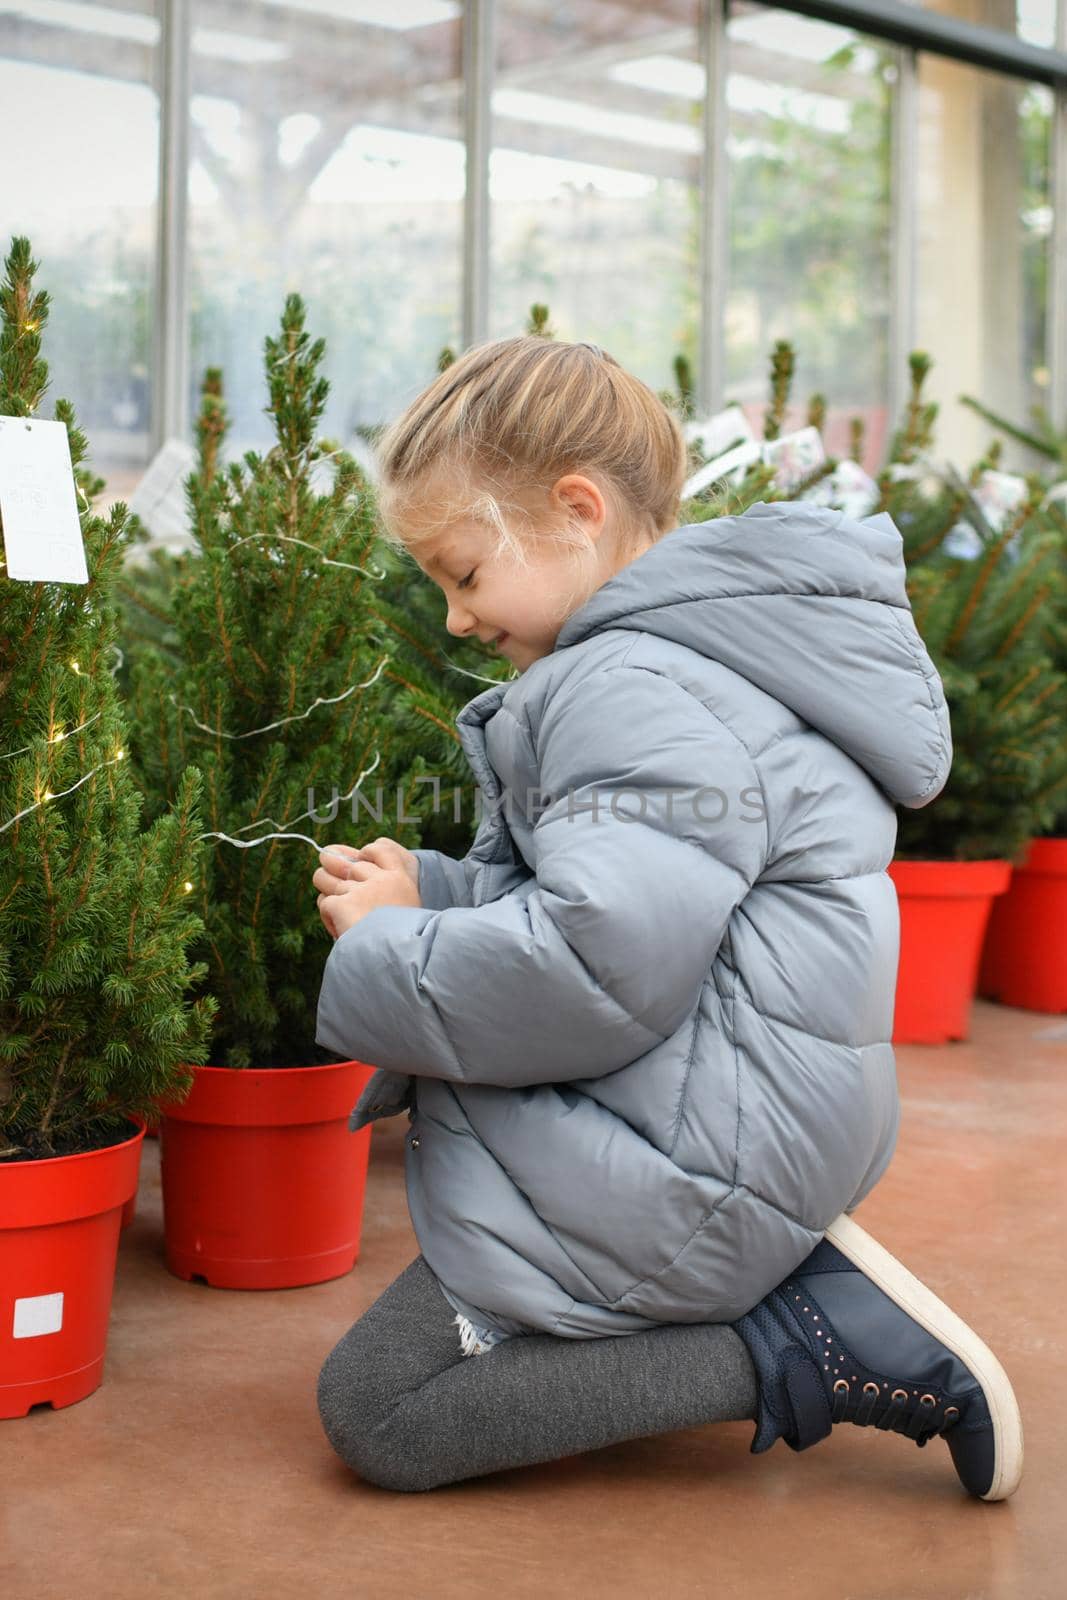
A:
x: 649, y: 1014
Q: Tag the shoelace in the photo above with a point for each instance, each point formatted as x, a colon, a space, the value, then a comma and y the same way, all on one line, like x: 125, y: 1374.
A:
x: 870, y: 1408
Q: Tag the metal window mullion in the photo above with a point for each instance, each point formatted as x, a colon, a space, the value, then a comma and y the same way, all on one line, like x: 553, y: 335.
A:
x: 714, y: 210
x: 919, y: 27
x: 171, y: 323
x: 1056, y: 325
x: 903, y: 230
x: 478, y: 68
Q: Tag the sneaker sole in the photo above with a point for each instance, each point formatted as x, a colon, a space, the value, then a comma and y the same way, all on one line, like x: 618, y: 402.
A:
x: 938, y: 1319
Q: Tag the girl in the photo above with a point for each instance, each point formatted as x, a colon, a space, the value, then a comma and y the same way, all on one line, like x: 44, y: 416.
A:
x: 642, y: 1030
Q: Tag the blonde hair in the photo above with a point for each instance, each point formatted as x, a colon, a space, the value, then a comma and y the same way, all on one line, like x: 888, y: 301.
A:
x: 492, y: 434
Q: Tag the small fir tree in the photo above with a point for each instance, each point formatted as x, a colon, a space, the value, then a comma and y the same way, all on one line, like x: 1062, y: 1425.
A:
x: 276, y: 676
x: 685, y: 398
x: 97, y: 1023
x: 993, y: 624
x: 783, y: 369
x: 987, y: 623
x: 1043, y: 436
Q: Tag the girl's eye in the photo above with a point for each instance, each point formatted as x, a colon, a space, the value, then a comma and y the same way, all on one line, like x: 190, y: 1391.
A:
x: 463, y: 582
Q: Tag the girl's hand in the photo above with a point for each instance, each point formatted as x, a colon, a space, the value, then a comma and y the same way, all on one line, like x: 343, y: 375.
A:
x: 353, y: 882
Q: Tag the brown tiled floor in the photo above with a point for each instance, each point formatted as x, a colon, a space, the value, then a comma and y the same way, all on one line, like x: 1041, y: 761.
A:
x: 199, y: 1466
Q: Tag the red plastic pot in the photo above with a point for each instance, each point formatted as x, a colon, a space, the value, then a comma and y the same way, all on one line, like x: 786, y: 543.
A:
x: 130, y: 1207
x: 944, y: 909
x: 263, y: 1182
x: 1024, y: 962
x: 59, y: 1237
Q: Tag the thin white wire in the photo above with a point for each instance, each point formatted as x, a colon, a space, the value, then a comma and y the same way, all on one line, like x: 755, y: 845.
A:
x: 39, y: 803
x: 271, y: 822
x: 246, y: 844
x: 250, y: 844
x: 327, y: 561
x: 479, y: 676
x: 331, y: 700
x: 59, y: 738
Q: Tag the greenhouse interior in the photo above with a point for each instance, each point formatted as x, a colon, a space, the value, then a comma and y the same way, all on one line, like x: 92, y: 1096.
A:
x: 450, y: 1123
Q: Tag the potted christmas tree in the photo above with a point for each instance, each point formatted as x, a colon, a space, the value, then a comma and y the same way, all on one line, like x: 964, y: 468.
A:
x: 1024, y: 959
x: 984, y: 596
x: 274, y: 678
x: 96, y: 1018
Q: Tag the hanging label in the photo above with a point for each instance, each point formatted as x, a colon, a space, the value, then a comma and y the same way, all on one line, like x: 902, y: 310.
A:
x: 36, y: 1314
x: 793, y: 456
x: 39, y: 503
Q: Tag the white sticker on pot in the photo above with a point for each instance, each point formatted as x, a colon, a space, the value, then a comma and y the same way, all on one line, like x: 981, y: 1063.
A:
x: 38, y: 1313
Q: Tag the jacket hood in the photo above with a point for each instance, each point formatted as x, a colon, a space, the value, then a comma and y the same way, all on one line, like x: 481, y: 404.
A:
x: 811, y: 606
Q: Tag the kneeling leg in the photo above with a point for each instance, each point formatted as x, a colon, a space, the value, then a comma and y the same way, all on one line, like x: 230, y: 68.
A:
x: 405, y: 1408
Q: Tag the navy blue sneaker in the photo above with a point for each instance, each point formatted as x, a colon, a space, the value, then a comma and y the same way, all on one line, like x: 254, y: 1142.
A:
x: 853, y: 1336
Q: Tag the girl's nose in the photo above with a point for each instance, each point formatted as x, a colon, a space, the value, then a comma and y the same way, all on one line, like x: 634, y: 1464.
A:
x: 459, y: 620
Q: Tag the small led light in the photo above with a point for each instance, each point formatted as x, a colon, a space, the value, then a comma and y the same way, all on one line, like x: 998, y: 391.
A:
x: 75, y: 666
x: 188, y: 888
x: 48, y: 795
x: 119, y: 754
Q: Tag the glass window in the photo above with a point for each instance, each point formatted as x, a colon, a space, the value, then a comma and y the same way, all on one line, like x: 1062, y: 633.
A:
x: 1033, y: 20
x: 327, y: 158
x: 985, y: 221
x: 595, y: 176
x: 79, y: 128
x: 809, y: 144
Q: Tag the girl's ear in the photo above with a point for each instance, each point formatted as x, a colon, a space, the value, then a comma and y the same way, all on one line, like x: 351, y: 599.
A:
x: 585, y: 500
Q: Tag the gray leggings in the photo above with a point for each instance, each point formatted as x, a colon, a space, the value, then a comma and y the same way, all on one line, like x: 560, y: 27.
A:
x: 405, y: 1408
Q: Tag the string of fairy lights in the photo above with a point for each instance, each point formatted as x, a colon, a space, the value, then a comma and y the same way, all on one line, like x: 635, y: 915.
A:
x: 281, y: 830
x: 248, y: 844
x: 59, y: 736
x: 241, y: 844
x: 329, y: 700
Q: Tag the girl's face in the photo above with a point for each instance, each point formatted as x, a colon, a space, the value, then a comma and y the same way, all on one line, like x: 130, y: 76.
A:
x: 489, y: 595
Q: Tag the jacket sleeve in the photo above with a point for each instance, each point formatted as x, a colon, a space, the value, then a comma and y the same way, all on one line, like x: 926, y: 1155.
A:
x: 443, y: 881
x: 653, y: 832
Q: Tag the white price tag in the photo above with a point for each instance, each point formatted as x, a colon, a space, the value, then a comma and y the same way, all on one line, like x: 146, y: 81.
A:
x: 721, y: 432
x: 39, y: 503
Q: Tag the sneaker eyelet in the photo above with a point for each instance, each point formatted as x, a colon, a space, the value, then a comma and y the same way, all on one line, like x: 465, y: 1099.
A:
x: 867, y: 1387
